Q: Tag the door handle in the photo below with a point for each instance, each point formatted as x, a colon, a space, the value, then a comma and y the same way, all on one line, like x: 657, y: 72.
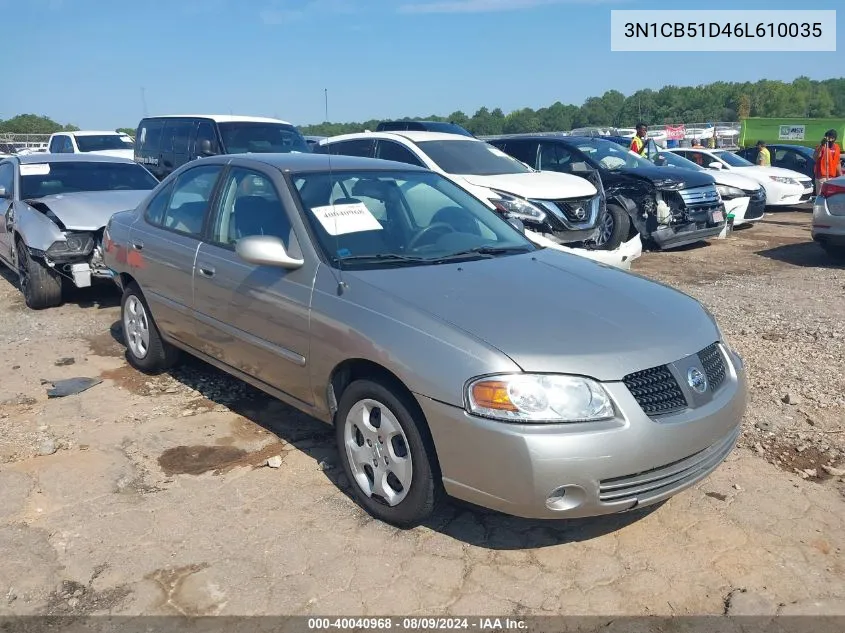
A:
x: 207, y: 271
x: 138, y: 246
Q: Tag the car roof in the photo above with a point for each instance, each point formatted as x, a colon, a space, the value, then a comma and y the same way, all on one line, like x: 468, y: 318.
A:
x: 415, y: 136
x: 44, y: 157
x: 320, y: 162
x: 220, y: 118
x: 93, y: 133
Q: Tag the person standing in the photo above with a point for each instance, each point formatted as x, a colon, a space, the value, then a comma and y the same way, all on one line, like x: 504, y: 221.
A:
x: 764, y: 158
x: 638, y: 142
x: 828, y: 157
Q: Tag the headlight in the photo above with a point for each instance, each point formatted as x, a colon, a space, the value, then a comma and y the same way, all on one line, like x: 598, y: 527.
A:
x: 784, y: 180
x: 73, y: 244
x: 728, y: 193
x: 538, y: 398
x: 518, y: 207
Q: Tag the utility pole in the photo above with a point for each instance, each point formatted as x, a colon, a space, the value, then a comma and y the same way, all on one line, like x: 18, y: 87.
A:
x: 144, y: 101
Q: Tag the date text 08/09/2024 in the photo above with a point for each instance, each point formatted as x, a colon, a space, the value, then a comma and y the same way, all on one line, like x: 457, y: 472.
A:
x: 417, y: 624
x: 717, y: 29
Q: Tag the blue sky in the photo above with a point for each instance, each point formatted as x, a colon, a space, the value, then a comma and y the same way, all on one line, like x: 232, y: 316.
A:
x: 86, y: 61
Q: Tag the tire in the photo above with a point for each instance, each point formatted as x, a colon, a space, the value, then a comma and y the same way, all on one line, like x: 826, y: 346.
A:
x: 406, y: 454
x: 614, y: 228
x: 146, y: 351
x: 40, y: 285
x: 837, y: 254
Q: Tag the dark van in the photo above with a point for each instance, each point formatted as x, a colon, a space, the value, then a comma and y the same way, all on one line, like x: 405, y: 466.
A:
x: 165, y: 143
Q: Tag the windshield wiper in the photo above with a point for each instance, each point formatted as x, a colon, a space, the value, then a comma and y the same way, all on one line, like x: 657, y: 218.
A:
x: 482, y: 251
x: 383, y: 258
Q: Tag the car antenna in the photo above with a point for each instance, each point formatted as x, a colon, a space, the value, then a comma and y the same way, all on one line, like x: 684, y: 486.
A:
x: 341, y: 285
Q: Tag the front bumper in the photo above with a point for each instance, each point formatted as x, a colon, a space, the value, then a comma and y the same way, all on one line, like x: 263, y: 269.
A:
x: 621, y: 257
x: 600, y: 468
x: 674, y: 236
x: 782, y: 195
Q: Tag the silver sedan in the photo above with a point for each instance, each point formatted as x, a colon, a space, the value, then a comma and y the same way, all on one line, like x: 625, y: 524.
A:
x: 450, y: 353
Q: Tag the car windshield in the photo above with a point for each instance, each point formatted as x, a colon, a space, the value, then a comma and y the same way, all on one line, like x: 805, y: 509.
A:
x: 50, y: 178
x: 611, y: 156
x: 101, y: 142
x: 401, y: 218
x: 807, y: 151
x: 670, y: 159
x: 732, y: 159
x: 262, y: 138
x: 474, y: 158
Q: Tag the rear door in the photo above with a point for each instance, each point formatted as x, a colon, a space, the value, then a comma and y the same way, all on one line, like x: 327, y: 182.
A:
x: 164, y: 244
x: 183, y: 132
x: 7, y: 181
x: 148, y: 143
x: 254, y: 318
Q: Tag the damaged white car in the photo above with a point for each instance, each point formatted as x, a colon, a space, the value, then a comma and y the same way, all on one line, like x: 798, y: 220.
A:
x: 53, y: 209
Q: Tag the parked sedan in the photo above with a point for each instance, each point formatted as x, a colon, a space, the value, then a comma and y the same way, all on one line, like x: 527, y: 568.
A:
x: 784, y: 187
x: 386, y: 300
x: 53, y: 208
x: 829, y: 218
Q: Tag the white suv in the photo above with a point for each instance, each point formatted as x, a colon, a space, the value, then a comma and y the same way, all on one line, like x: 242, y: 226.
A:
x: 92, y: 142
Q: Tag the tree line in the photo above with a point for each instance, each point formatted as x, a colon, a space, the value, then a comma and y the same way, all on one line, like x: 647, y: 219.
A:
x: 720, y: 101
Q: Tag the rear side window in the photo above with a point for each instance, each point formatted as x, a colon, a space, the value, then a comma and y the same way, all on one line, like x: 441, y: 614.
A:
x: 390, y: 150
x: 526, y: 151
x: 358, y: 147
x: 56, y: 145
x: 190, y: 200
x: 181, y: 130
x: 158, y: 205
x: 148, y: 138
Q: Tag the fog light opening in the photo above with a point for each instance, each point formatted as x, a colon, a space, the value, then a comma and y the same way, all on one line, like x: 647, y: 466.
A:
x: 565, y: 498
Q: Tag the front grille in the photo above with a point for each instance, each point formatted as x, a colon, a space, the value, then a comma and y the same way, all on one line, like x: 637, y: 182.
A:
x: 755, y: 210
x: 758, y: 195
x: 569, y: 209
x: 656, y: 391
x: 714, y: 365
x: 657, y: 481
x: 697, y: 196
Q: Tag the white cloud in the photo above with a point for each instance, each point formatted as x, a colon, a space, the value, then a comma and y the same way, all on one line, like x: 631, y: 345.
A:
x: 484, y: 6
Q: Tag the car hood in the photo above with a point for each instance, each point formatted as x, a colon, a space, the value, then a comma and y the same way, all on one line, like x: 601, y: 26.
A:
x: 759, y: 171
x: 119, y: 153
x: 689, y: 177
x: 536, y: 185
x: 88, y: 210
x: 551, y: 311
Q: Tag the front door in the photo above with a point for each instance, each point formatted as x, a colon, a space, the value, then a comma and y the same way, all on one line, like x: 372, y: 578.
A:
x: 254, y: 318
x: 164, y: 246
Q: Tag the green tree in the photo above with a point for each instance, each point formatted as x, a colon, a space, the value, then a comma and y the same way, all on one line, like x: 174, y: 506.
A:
x: 126, y: 130
x: 32, y: 124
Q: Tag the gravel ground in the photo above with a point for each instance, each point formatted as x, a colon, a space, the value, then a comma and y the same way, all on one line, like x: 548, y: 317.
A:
x: 152, y: 496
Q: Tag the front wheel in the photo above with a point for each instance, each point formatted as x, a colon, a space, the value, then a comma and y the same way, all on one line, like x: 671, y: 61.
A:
x: 613, y: 229
x: 385, y: 454
x: 145, y: 349
x: 41, y: 286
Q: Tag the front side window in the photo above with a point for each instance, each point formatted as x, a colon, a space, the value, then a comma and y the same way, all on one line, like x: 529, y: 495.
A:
x: 670, y: 159
x: 249, y: 205
x: 45, y: 179
x: 181, y: 131
x: 387, y: 218
x: 732, y: 159
x: 466, y: 157
x: 190, y: 200
x: 555, y: 157
x: 261, y: 138
x: 56, y: 144
x: 102, y: 142
x: 526, y: 151
x: 67, y: 145
x: 205, y: 132
x: 154, y: 212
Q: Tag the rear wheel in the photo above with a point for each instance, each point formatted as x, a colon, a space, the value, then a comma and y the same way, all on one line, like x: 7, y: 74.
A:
x: 613, y: 229
x: 385, y: 454
x: 145, y: 349
x: 40, y: 285
x: 836, y: 253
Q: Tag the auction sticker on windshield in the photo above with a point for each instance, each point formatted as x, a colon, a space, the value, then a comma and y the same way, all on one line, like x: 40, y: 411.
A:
x: 340, y: 219
x: 35, y: 169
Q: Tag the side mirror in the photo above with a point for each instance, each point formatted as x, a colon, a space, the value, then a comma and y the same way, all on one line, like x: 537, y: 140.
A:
x: 516, y: 223
x: 206, y: 149
x: 715, y: 165
x: 266, y: 250
x: 659, y: 160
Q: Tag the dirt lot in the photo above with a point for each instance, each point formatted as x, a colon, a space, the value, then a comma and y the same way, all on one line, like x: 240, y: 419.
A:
x: 151, y: 495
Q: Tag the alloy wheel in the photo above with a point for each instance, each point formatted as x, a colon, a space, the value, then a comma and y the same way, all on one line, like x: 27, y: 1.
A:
x: 136, y: 327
